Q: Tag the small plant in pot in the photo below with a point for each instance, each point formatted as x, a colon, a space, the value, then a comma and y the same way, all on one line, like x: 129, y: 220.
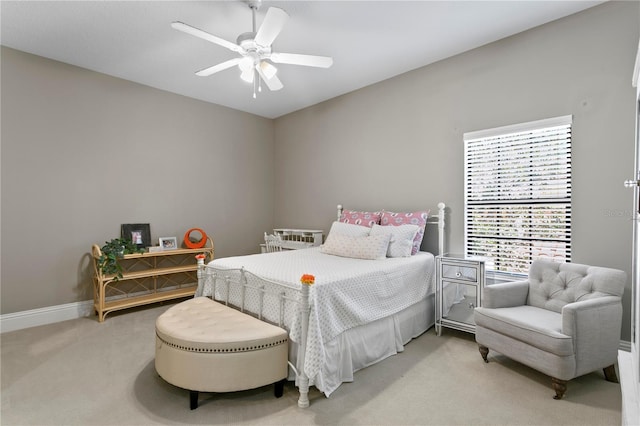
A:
x: 111, y: 252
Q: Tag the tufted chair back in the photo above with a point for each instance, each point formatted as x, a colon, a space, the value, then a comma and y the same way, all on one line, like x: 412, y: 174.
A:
x: 553, y: 285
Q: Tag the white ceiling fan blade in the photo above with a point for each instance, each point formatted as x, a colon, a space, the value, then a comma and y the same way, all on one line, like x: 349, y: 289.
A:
x: 217, y: 68
x: 271, y: 26
x: 272, y: 83
x: 181, y: 26
x: 306, y: 60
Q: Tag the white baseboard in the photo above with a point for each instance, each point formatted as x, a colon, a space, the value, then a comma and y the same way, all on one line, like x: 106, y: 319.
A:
x: 53, y: 314
x: 42, y: 316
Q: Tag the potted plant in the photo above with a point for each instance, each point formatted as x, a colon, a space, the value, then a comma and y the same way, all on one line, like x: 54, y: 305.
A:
x: 111, y: 252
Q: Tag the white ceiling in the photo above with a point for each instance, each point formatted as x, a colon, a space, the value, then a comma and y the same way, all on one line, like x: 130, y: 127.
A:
x: 370, y: 41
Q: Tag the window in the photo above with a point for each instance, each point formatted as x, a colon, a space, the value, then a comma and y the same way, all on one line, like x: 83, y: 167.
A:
x: 518, y: 194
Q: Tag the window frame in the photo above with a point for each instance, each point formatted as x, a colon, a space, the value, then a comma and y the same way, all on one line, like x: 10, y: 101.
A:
x: 505, y: 205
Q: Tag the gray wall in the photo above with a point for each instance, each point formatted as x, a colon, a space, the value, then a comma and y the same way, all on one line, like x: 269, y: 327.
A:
x: 398, y: 144
x: 83, y: 153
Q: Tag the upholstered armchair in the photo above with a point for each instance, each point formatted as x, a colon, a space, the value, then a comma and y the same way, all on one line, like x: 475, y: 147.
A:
x: 563, y: 321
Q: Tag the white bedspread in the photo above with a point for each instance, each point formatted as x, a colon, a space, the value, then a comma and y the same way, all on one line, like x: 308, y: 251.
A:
x: 347, y: 292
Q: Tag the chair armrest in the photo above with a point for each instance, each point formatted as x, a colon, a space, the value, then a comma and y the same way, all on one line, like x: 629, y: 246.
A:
x: 595, y: 326
x: 505, y: 295
x: 601, y: 313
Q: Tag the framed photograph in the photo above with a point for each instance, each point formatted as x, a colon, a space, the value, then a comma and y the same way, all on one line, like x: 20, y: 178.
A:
x: 169, y: 243
x: 139, y: 233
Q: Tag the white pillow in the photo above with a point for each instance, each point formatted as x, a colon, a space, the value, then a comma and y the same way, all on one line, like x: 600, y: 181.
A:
x: 371, y: 247
x: 401, y: 238
x: 349, y: 229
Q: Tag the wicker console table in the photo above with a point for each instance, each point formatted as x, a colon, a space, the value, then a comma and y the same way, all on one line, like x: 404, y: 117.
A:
x: 146, y: 278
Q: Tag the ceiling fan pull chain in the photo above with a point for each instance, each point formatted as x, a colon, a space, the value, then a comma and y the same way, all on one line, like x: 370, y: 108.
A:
x: 255, y: 76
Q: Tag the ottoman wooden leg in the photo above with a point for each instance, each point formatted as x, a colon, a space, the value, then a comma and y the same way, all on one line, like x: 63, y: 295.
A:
x: 279, y: 388
x: 193, y: 399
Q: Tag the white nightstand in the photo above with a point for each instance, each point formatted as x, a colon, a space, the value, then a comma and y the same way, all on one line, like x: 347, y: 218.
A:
x: 459, y: 283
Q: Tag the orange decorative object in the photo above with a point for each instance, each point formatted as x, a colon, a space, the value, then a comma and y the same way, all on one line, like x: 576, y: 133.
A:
x: 308, y: 279
x: 198, y: 244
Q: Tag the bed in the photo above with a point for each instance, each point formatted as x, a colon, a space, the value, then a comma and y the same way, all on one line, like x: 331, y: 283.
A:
x: 357, y: 312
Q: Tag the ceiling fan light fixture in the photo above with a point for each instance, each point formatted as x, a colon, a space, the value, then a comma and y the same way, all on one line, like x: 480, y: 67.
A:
x: 246, y: 64
x: 247, y: 75
x: 268, y: 70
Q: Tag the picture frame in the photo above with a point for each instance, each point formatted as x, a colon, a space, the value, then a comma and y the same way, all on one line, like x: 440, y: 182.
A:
x: 168, y: 243
x: 139, y: 233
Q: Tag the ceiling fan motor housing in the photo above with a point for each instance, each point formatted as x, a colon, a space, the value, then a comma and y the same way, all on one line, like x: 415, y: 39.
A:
x: 248, y: 43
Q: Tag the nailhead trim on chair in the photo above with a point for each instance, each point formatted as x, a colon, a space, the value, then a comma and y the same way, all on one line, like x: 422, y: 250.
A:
x: 209, y: 350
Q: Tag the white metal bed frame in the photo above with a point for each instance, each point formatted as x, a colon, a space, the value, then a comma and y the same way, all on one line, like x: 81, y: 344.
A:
x: 213, y: 275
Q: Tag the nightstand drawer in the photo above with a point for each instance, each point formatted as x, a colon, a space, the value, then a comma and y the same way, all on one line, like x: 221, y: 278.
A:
x: 456, y: 272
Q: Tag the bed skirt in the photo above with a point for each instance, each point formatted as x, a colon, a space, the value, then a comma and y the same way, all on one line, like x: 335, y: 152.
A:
x: 368, y: 344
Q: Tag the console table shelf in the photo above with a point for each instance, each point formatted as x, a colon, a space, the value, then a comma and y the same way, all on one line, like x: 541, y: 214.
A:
x: 146, y: 278
x: 130, y: 302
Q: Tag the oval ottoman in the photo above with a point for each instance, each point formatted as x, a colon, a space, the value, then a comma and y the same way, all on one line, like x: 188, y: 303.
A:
x: 205, y: 346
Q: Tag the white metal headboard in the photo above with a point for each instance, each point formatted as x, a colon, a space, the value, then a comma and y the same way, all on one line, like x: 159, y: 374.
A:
x: 432, y: 220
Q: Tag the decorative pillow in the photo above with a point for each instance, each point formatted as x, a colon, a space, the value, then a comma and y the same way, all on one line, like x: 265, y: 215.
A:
x: 360, y: 218
x: 372, y: 247
x: 416, y: 218
x: 402, y: 236
x: 349, y: 229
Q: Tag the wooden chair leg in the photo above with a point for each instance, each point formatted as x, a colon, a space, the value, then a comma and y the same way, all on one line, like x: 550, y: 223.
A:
x: 484, y: 351
x: 193, y: 399
x: 610, y: 374
x: 560, y: 386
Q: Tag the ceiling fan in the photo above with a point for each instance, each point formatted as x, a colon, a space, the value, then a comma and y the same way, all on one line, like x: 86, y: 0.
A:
x: 256, y: 55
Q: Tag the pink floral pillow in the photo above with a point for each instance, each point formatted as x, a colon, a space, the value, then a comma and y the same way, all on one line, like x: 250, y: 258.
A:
x: 361, y: 218
x: 416, y: 218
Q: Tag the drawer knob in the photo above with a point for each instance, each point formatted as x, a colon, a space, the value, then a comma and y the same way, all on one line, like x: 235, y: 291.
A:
x: 458, y: 274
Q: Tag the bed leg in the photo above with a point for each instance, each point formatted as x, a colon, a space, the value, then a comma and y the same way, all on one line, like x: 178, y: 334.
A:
x: 302, y: 379
x: 303, y: 388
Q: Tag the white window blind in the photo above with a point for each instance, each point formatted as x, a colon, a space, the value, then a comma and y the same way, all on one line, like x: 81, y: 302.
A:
x: 518, y: 194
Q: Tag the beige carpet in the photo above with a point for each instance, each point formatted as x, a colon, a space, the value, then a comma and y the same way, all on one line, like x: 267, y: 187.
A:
x: 81, y: 372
